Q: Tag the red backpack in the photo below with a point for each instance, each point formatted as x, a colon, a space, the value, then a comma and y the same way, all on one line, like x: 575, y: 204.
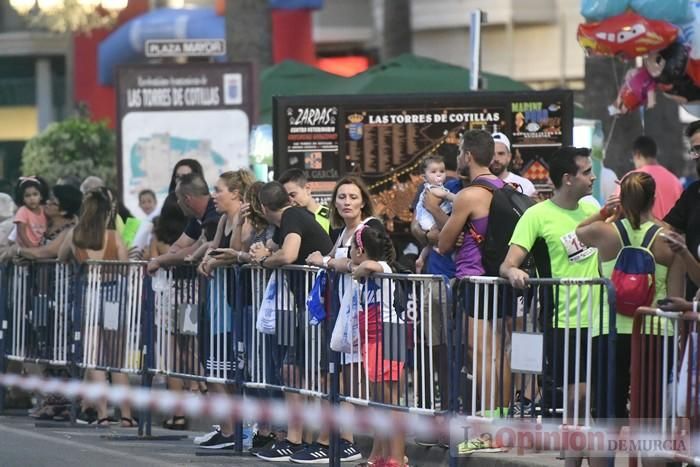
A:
x: 634, y: 276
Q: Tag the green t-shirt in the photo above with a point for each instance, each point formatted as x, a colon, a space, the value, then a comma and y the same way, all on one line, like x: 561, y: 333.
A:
x: 624, y: 323
x: 323, y: 217
x: 568, y: 257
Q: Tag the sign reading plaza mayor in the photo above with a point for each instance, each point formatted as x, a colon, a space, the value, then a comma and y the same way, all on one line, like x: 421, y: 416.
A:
x: 159, y: 48
x: 170, y: 112
x: 384, y: 138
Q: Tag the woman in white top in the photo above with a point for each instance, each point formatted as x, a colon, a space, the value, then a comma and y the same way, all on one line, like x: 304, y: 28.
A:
x: 351, y: 207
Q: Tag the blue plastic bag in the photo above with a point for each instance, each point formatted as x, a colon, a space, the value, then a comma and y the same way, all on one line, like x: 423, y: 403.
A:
x: 597, y: 10
x: 673, y: 11
x: 316, y: 302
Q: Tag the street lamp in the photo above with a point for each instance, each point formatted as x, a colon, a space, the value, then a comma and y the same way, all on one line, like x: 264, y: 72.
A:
x: 69, y: 15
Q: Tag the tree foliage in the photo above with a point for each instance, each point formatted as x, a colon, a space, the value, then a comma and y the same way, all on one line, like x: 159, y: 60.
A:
x: 76, y: 146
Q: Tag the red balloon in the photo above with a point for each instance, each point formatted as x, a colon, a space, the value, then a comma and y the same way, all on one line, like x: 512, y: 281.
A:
x: 627, y: 35
x: 693, y: 71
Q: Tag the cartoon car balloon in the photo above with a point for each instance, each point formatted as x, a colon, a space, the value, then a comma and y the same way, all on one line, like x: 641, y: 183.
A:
x: 628, y: 35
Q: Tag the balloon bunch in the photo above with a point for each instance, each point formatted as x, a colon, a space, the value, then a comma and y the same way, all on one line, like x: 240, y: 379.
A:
x: 666, y: 33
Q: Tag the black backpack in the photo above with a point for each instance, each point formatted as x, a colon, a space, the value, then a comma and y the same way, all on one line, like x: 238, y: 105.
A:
x: 507, y: 207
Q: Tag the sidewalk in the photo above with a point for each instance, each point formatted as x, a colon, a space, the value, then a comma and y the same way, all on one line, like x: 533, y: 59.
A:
x: 22, y: 444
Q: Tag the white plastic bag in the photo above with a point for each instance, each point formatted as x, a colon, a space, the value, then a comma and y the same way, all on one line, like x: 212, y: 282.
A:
x: 685, y: 372
x: 346, y: 332
x: 276, y: 298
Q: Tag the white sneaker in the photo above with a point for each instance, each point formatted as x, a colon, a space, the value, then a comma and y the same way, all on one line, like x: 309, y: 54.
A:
x: 204, y: 438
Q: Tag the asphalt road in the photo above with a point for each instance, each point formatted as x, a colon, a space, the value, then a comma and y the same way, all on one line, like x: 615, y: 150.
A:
x: 24, y: 445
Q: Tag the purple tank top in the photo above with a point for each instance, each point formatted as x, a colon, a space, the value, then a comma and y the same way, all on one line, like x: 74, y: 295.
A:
x: 468, y: 257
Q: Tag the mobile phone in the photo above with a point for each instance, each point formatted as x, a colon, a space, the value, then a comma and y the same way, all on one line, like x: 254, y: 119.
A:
x: 216, y: 253
x: 670, y: 239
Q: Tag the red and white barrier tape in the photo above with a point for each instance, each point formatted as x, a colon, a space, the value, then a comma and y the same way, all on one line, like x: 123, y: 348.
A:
x: 521, y: 434
x: 221, y: 407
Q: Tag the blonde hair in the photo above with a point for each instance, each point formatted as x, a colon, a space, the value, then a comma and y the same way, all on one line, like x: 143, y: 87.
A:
x: 637, y: 196
x: 238, y: 180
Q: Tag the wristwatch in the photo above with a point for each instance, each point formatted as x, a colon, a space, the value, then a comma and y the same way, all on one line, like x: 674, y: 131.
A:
x: 326, y: 259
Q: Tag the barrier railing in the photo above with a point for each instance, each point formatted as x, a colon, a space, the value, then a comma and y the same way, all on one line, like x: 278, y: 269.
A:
x: 520, y: 352
x: 664, y: 395
x: 286, y: 352
x: 401, y: 320
x: 38, y: 316
x: 111, y: 316
x: 252, y: 329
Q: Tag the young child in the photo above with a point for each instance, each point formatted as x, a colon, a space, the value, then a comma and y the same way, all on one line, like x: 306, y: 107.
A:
x: 148, y: 202
x: 30, y: 195
x: 433, y: 168
x: 371, y: 251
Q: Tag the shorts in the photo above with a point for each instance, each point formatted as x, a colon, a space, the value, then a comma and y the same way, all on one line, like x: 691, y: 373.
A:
x: 377, y: 368
x: 217, y: 355
x: 297, y: 339
x: 378, y: 365
x: 477, y: 300
x: 554, y: 356
x: 434, y: 324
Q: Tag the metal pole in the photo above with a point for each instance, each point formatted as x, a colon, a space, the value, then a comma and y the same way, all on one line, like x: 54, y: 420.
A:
x: 476, y: 17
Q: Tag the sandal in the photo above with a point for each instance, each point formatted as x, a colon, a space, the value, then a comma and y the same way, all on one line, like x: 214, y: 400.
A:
x: 374, y: 463
x: 177, y: 422
x: 103, y: 421
x: 129, y: 422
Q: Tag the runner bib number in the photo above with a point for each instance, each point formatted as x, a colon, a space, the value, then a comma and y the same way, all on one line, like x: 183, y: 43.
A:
x: 575, y: 249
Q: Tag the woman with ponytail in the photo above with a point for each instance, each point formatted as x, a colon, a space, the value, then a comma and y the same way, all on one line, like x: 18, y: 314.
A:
x: 630, y: 216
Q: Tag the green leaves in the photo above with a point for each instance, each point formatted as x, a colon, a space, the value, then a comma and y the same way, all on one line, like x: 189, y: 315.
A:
x: 76, y: 146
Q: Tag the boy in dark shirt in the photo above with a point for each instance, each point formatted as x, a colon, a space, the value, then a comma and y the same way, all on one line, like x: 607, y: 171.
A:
x: 298, y: 235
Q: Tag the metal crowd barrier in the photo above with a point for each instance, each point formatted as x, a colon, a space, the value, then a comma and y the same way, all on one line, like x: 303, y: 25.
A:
x: 110, y: 313
x: 511, y: 355
x: 414, y: 342
x: 285, y: 351
x: 664, y: 397
x: 401, y: 322
x: 38, y: 314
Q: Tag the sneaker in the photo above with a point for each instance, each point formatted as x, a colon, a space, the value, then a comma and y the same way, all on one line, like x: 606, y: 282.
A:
x: 261, y: 442
x: 480, y: 444
x: 280, y: 451
x: 426, y: 442
x: 219, y: 441
x: 62, y: 416
x: 314, y: 453
x: 204, y: 438
x: 521, y: 407
x: 348, y: 451
x: 87, y: 417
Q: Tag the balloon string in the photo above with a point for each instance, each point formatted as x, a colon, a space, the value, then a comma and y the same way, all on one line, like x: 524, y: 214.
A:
x: 615, y: 117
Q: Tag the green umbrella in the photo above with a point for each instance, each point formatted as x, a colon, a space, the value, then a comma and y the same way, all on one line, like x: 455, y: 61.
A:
x: 410, y: 73
x: 290, y: 78
x: 407, y: 73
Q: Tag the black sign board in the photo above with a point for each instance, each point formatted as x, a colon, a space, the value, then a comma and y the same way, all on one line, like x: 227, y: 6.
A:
x: 382, y: 138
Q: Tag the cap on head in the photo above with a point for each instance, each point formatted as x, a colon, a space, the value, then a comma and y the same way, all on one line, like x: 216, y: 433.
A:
x: 499, y: 137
